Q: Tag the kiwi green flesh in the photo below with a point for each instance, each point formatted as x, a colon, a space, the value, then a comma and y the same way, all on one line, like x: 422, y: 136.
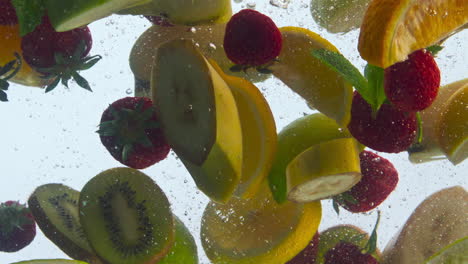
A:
x: 183, y: 92
x: 50, y: 261
x: 126, y: 217
x: 55, y: 209
x: 184, y: 249
x: 70, y: 14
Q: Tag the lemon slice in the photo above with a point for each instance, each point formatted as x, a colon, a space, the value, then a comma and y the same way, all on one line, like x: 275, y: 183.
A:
x: 455, y: 253
x: 11, y: 43
x: 429, y: 149
x: 392, y: 29
x: 314, y: 81
x: 453, y: 127
x: 324, y: 170
x: 338, y: 16
x: 257, y: 230
x: 259, y: 138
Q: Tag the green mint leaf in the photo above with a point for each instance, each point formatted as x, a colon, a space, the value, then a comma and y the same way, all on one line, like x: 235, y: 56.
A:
x: 345, y: 68
x: 30, y: 13
x: 52, y: 86
x: 371, y: 245
x: 3, y: 96
x: 375, y: 78
x: 81, y: 81
x: 277, y: 187
x: 420, y: 129
x: 336, y: 206
x: 434, y: 49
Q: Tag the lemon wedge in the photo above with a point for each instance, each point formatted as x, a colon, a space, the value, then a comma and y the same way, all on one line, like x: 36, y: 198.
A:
x: 259, y: 138
x: 307, y: 76
x: 393, y: 29
x: 257, y: 230
x: 453, y: 127
x: 324, y: 170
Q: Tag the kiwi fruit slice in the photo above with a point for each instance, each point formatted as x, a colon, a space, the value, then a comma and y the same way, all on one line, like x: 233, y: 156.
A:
x: 183, y: 92
x: 184, y: 249
x: 55, y: 209
x: 126, y: 217
x: 50, y: 261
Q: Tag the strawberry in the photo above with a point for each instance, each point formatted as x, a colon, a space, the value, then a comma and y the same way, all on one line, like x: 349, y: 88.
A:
x: 130, y: 131
x: 308, y: 254
x: 252, y: 38
x: 17, y: 226
x: 379, y: 179
x: 348, y: 253
x: 388, y: 130
x: 412, y: 85
x: 59, y: 55
x: 7, y: 13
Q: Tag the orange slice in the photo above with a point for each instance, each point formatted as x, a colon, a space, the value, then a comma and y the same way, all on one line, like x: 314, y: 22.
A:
x: 392, y: 29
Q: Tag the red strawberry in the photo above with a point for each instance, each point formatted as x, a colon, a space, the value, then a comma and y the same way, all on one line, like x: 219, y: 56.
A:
x: 308, y: 254
x: 7, y: 13
x: 17, y: 226
x: 130, y: 131
x: 390, y: 130
x: 412, y: 85
x: 348, y: 253
x: 59, y: 55
x: 379, y: 179
x: 252, y: 38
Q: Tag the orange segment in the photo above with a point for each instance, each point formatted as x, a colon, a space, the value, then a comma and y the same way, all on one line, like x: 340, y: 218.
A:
x: 392, y: 29
x: 11, y: 43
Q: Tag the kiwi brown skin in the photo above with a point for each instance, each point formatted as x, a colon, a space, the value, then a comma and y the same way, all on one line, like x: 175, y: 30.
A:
x: 67, y: 245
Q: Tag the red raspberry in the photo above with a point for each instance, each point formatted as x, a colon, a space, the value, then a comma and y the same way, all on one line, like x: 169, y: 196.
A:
x: 379, y: 179
x: 390, y: 130
x: 252, y: 38
x: 412, y: 85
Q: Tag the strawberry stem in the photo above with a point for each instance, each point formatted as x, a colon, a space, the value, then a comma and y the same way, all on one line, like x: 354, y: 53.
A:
x: 371, y: 245
x: 420, y: 129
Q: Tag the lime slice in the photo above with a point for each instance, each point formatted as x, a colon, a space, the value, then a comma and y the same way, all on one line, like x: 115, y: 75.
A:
x: 296, y: 137
x: 338, y: 16
x: 393, y: 29
x: 185, y: 12
x: 257, y: 230
x: 184, y: 249
x: 453, y: 127
x: 259, y: 138
x: 70, y: 14
x: 50, y: 261
x: 455, y: 253
x: 324, y: 170
x: 307, y: 76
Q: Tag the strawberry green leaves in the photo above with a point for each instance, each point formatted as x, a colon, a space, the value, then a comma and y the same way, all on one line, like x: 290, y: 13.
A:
x: 7, y: 72
x: 369, y: 86
x: 29, y: 13
x: 371, y: 245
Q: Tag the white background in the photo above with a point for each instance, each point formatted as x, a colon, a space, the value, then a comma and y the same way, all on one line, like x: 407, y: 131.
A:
x: 49, y: 138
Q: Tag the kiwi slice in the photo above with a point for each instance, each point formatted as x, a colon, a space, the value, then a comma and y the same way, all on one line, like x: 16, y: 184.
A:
x: 55, y: 209
x: 184, y: 249
x: 50, y: 261
x: 126, y: 217
x: 183, y: 92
